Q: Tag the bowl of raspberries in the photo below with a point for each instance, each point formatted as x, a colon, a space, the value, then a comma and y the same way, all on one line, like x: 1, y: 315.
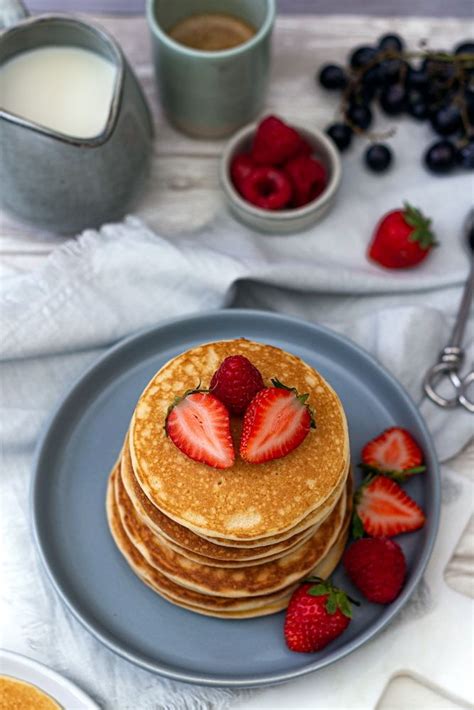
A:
x: 280, y: 178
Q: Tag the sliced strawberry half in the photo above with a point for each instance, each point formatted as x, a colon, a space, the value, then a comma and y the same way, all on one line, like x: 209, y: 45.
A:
x: 394, y: 452
x: 199, y: 425
x: 277, y: 420
x: 383, y: 509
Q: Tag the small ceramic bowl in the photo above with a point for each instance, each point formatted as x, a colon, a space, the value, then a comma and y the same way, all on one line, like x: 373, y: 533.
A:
x: 289, y: 220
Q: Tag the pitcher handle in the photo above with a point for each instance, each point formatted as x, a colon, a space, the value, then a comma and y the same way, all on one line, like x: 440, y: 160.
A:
x: 11, y: 12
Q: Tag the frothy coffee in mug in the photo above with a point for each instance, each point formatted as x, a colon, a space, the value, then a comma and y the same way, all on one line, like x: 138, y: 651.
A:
x: 64, y: 88
x: 212, y: 32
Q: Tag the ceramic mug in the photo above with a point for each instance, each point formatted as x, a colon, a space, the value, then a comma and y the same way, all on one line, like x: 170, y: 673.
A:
x: 211, y: 94
x: 59, y: 182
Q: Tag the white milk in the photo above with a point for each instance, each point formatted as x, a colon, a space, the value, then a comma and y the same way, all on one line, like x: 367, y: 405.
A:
x: 67, y: 89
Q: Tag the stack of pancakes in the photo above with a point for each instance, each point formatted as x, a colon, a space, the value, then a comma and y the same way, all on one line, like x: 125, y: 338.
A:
x: 231, y: 543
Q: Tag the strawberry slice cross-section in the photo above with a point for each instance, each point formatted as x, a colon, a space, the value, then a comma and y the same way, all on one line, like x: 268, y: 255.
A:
x: 199, y: 425
x: 275, y: 423
x: 383, y: 509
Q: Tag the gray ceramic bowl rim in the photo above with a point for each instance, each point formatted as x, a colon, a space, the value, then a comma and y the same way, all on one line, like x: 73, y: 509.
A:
x: 199, y: 53
x: 277, y: 216
x: 115, y: 104
x: 271, y: 679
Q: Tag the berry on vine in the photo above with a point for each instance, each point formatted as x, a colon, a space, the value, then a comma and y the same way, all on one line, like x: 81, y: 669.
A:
x: 393, y: 100
x: 440, y: 157
x: 391, y: 42
x: 362, y: 56
x: 359, y: 115
x: 333, y: 77
x: 341, y: 134
x: 378, y: 157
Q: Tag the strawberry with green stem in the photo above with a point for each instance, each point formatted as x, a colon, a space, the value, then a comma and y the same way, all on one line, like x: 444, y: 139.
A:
x: 317, y: 614
x: 402, y: 239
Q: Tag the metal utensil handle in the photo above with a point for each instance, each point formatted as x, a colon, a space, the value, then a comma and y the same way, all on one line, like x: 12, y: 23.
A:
x: 444, y: 370
x: 464, y: 308
x: 463, y: 394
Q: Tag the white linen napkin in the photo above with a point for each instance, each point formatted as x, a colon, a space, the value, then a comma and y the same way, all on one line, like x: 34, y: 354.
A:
x: 95, y: 290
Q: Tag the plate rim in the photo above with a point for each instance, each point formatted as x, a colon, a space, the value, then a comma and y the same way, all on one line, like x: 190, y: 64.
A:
x: 47, y: 672
x: 266, y: 679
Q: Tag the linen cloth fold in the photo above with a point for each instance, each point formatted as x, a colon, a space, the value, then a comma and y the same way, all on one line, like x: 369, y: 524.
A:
x: 107, y: 284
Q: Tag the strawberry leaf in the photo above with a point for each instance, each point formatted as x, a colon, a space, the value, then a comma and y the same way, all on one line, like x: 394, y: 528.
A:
x: 331, y: 604
x: 318, y: 590
x: 344, y: 605
x: 422, y: 232
x: 399, y: 476
x: 357, y: 526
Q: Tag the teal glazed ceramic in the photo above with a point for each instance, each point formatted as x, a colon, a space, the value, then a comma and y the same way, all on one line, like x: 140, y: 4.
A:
x: 211, y: 94
x: 66, y: 184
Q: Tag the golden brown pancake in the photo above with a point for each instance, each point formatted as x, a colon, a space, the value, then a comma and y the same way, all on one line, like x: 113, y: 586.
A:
x: 159, y: 523
x: 253, y: 580
x: 15, y: 694
x: 246, y: 501
x: 212, y: 605
x: 235, y: 562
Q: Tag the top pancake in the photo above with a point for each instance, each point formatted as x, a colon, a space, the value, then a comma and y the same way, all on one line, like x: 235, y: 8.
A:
x: 246, y: 501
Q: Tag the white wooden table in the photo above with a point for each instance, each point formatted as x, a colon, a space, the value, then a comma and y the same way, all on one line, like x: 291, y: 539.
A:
x: 183, y: 192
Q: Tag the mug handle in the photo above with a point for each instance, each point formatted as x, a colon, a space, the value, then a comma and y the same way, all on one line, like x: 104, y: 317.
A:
x: 11, y: 12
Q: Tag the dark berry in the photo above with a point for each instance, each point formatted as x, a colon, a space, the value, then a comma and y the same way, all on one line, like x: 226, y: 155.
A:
x: 465, y: 155
x: 469, y: 99
x: 465, y: 47
x: 391, y: 70
x: 393, y: 99
x: 437, y: 70
x: 362, y: 56
x: 371, y: 80
x: 392, y: 43
x: 417, y: 106
x: 378, y: 157
x: 359, y: 115
x: 341, y: 134
x: 333, y: 77
x: 447, y: 120
x: 417, y: 79
x: 440, y: 157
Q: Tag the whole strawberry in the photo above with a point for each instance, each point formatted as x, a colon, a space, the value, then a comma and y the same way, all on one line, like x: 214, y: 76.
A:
x: 377, y: 567
x: 403, y: 238
x: 317, y: 614
x: 236, y: 383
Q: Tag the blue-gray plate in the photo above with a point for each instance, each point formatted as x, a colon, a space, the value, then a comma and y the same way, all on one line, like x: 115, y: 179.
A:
x: 81, y: 444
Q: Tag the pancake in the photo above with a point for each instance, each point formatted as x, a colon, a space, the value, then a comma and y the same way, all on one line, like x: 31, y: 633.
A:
x: 16, y: 694
x: 227, y: 608
x: 127, y: 504
x: 159, y: 523
x: 253, y: 580
x: 246, y: 501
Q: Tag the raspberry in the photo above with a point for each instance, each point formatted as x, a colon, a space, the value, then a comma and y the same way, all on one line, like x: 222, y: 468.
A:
x: 240, y: 167
x: 376, y: 565
x: 275, y: 142
x: 236, y: 382
x: 308, y: 177
x: 267, y: 188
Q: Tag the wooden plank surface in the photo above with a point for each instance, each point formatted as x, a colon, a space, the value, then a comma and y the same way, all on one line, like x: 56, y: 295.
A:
x: 432, y: 8
x: 182, y: 165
